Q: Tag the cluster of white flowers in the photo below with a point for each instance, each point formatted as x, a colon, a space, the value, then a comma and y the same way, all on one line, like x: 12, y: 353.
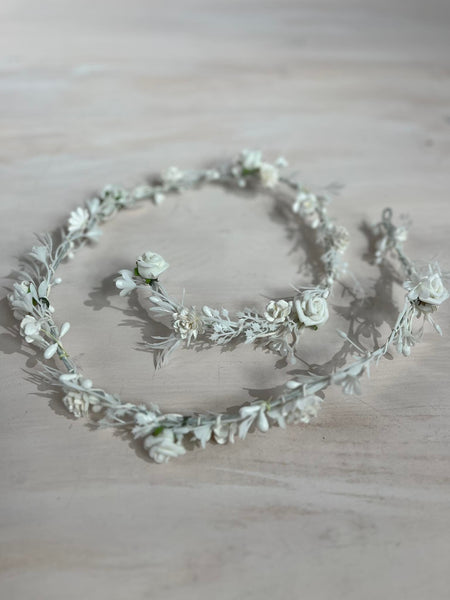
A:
x: 250, y: 163
x: 163, y: 434
x: 277, y: 327
x: 309, y: 208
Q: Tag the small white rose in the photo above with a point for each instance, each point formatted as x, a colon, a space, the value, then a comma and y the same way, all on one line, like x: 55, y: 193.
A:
x: 312, y: 308
x: 431, y: 290
x: 277, y: 311
x: 150, y: 265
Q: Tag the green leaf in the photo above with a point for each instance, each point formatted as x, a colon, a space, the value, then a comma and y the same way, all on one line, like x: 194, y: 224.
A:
x: 157, y: 430
x: 249, y: 171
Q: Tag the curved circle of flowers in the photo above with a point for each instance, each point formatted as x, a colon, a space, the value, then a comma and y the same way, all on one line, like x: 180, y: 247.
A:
x: 164, y: 434
x: 280, y: 325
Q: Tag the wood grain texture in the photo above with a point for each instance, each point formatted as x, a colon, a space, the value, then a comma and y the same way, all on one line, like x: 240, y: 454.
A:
x: 355, y: 505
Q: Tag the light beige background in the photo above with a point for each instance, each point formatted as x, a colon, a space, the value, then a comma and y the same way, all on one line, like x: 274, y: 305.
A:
x: 355, y: 505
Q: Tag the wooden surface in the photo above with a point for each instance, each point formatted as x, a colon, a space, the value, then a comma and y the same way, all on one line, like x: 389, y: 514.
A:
x: 354, y: 506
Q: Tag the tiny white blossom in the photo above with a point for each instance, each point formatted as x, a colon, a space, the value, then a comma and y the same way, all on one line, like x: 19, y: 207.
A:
x: 173, y: 176
x: 21, y: 299
x: 78, y: 220
x: 304, y: 409
x: 305, y: 203
x: 30, y: 329
x: 212, y: 175
x: 150, y: 265
x: 125, y: 283
x: 113, y: 194
x: 158, y: 198
x: 306, y: 206
x: 401, y: 234
x: 281, y: 162
x: 269, y: 175
x: 162, y: 447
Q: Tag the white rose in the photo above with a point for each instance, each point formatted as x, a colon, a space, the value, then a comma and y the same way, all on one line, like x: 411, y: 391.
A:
x: 150, y: 265
x: 431, y: 290
x: 269, y: 175
x: 163, y: 446
x: 277, y: 312
x: 312, y: 308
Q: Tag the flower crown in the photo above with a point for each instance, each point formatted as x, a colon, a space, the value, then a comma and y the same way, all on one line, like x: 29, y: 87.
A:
x: 164, y: 434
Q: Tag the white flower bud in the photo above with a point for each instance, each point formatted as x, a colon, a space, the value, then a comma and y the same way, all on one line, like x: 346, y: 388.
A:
x: 262, y: 422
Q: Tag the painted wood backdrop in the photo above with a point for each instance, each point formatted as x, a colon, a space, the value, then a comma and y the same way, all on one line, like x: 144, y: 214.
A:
x: 354, y: 506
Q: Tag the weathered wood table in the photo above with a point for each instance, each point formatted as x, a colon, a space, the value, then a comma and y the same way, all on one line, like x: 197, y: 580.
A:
x: 355, y: 505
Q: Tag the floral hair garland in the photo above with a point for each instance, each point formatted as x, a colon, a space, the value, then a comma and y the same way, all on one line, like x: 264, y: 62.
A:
x: 278, y: 328
x: 164, y: 434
